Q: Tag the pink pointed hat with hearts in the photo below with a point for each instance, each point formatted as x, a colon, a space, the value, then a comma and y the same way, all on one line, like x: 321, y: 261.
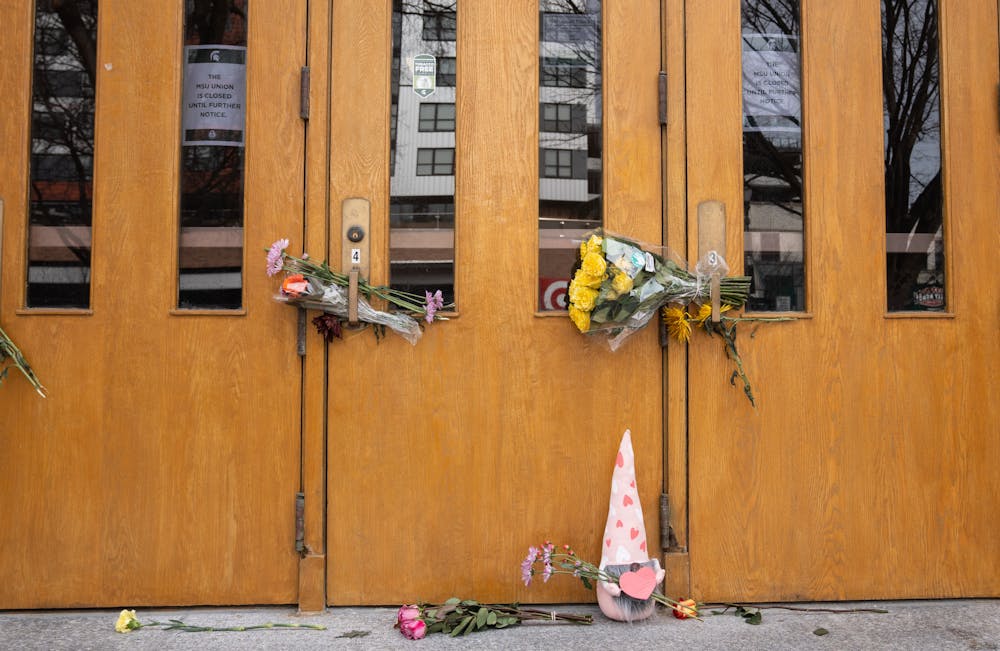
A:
x: 625, y: 533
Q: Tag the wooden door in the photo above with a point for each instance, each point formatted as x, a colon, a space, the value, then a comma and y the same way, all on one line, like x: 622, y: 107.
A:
x: 447, y: 459
x: 868, y: 468
x: 163, y: 466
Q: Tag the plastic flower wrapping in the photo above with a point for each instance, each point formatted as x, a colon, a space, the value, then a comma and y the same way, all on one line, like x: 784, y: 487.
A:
x: 619, y: 285
x: 315, y: 286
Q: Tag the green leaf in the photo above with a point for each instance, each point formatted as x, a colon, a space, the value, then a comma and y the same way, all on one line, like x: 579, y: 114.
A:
x: 454, y: 601
x: 470, y: 602
x: 463, y: 626
x: 754, y: 619
x: 586, y: 583
x: 491, y: 619
x: 350, y: 634
x: 821, y: 632
x: 481, y: 617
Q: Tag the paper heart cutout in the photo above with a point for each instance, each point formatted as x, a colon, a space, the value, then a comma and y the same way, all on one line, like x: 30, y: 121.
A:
x: 620, y: 461
x: 639, y: 584
x: 627, y: 501
x: 643, y: 546
x: 632, y: 484
x: 619, y: 524
x: 633, y: 533
x: 607, y: 541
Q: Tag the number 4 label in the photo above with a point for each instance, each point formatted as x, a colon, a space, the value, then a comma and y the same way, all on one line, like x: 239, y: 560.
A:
x: 355, y: 256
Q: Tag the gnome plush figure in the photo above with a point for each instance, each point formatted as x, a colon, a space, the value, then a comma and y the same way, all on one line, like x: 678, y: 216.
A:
x: 624, y: 550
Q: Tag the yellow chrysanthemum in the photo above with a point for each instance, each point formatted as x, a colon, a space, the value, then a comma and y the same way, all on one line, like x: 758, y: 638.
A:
x: 582, y: 297
x: 127, y: 621
x: 677, y: 323
x: 705, y: 311
x: 584, y: 279
x: 580, y: 318
x: 594, y: 244
x: 594, y: 265
x: 622, y: 283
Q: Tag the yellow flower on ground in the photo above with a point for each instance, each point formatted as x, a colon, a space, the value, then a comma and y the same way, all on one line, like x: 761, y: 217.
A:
x: 705, y: 311
x: 622, y: 283
x: 677, y: 322
x: 594, y: 265
x: 582, y: 297
x: 127, y: 621
x: 586, y: 280
x: 580, y: 318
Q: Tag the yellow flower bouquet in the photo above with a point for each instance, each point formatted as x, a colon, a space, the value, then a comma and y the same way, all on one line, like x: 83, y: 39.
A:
x: 619, y: 285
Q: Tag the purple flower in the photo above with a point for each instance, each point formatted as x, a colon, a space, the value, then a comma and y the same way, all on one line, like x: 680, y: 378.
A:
x: 275, y: 257
x: 434, y: 302
x: 527, y: 565
x: 547, y: 560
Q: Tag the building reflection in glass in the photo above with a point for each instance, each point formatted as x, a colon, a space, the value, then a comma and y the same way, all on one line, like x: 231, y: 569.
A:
x: 212, y: 155
x: 422, y: 146
x: 913, y: 198
x: 570, y: 165
x: 773, y: 215
x: 62, y: 154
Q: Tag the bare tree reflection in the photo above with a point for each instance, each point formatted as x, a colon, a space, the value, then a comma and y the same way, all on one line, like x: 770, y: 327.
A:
x: 910, y: 80
x: 62, y: 150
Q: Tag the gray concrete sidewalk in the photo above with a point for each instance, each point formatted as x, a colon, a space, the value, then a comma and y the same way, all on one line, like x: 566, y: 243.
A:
x: 937, y: 625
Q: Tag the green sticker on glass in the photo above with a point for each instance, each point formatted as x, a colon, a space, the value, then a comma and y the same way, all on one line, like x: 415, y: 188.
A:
x: 424, y: 74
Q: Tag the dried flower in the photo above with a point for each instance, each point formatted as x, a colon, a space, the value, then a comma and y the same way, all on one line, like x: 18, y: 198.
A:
x: 329, y: 326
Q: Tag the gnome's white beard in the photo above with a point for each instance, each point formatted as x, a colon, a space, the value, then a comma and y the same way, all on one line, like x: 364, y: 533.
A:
x: 618, y: 605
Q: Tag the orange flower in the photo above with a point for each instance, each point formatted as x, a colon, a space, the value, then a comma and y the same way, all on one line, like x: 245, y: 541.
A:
x: 685, y: 609
x: 295, y: 285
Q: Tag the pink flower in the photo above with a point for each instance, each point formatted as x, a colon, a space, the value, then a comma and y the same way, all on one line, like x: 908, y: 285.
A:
x: 275, y: 257
x: 547, y: 549
x: 527, y: 565
x: 407, y: 613
x: 435, y: 302
x: 413, y: 629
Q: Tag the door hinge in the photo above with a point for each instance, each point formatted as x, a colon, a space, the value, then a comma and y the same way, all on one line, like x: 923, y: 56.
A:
x: 663, y: 98
x: 668, y: 540
x: 304, y: 93
x: 300, y: 524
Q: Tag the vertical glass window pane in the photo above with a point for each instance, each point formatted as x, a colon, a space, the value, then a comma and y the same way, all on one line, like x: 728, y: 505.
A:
x: 570, y: 183
x: 773, y: 215
x: 913, y: 197
x: 212, y: 155
x: 62, y: 154
x: 422, y: 146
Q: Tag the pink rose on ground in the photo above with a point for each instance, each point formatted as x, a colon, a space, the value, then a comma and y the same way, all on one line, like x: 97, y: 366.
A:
x: 413, y: 629
x: 407, y: 613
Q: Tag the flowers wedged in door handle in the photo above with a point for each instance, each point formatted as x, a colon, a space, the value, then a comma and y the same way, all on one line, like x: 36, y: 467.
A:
x: 315, y: 286
x: 619, y: 285
x: 10, y: 355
